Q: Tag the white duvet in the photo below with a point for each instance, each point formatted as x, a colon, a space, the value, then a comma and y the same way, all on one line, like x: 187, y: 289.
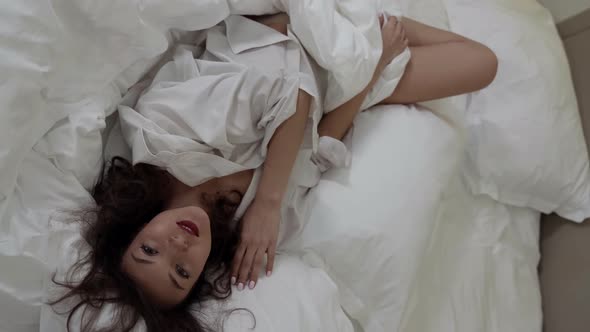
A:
x: 393, y: 267
x: 60, y: 51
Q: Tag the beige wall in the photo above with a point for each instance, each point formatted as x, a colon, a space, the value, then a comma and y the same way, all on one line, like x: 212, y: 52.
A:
x: 563, y: 9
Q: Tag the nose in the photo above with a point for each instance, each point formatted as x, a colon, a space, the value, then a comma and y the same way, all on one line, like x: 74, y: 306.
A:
x: 179, y: 242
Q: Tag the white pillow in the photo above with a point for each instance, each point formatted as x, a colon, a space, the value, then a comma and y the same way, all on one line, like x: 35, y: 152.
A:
x: 370, y: 224
x: 526, y: 145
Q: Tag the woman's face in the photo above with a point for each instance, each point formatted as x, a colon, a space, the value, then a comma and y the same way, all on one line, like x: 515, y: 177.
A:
x: 167, y: 256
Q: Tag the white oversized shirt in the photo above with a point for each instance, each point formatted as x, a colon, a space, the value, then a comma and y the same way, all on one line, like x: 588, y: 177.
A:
x: 215, y: 115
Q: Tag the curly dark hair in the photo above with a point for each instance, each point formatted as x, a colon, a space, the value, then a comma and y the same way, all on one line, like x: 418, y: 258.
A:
x: 127, y: 197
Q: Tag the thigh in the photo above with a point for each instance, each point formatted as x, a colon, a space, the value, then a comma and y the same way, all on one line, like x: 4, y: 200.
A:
x: 443, y: 70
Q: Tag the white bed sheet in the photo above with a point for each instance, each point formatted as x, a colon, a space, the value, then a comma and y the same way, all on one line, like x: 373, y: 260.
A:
x: 480, y: 271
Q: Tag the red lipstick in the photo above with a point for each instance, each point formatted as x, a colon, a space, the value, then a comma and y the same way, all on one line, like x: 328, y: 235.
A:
x: 189, y: 227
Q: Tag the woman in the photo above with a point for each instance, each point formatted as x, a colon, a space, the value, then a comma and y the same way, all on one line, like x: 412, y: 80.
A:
x: 165, y: 236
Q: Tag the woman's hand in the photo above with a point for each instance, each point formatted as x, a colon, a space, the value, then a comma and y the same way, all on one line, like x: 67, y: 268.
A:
x: 260, y: 228
x: 394, y: 41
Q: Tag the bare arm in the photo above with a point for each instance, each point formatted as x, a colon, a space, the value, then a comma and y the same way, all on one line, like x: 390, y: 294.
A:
x: 285, y: 143
x: 282, y: 152
x: 336, y: 123
x: 260, y: 224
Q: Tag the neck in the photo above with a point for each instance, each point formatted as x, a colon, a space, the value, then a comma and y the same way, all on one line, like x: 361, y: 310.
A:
x: 182, y: 195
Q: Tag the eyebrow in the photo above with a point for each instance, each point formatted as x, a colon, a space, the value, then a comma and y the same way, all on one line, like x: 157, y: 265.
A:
x: 141, y: 260
x: 176, y: 284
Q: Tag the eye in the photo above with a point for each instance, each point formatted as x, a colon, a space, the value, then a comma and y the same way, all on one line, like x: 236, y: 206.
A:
x: 149, y: 250
x: 182, y: 272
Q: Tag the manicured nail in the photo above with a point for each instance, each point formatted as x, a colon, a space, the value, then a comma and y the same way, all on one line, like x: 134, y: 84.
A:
x: 268, y: 273
x: 233, y: 280
x: 240, y: 286
x: 251, y: 285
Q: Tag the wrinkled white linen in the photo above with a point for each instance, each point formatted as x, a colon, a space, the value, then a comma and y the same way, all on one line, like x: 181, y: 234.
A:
x: 215, y: 116
x: 342, y: 36
x: 479, y: 272
x: 351, y: 29
x: 58, y: 52
x: 61, y: 57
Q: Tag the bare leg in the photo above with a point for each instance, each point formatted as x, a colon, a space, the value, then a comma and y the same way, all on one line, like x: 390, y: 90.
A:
x: 443, y: 64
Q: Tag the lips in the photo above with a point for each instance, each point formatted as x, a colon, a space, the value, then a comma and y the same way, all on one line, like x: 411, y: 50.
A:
x: 189, y: 227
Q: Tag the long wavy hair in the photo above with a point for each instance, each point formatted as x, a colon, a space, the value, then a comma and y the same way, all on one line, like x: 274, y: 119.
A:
x: 127, y: 197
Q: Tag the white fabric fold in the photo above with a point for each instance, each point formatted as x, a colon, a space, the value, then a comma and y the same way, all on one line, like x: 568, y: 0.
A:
x: 219, y: 111
x: 216, y: 115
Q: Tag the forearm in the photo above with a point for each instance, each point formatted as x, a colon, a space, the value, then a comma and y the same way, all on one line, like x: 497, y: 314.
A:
x: 282, y: 152
x: 336, y: 123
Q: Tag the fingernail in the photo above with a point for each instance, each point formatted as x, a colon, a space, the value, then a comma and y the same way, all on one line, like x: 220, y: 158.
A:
x: 251, y: 284
x: 268, y: 273
x: 240, y: 286
x: 233, y: 280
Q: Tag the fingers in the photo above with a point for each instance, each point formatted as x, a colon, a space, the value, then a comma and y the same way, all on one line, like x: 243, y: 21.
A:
x: 247, y: 264
x: 398, y: 30
x: 394, y: 19
x: 238, y: 256
x: 256, y: 268
x: 246, y: 267
x: 403, y: 36
x: 387, y: 22
x: 398, y: 36
x: 389, y: 25
x: 270, y: 259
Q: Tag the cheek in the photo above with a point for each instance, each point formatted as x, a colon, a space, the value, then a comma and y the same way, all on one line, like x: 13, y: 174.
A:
x: 200, y: 254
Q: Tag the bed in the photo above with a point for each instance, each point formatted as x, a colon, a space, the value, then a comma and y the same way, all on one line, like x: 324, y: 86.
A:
x: 434, y: 227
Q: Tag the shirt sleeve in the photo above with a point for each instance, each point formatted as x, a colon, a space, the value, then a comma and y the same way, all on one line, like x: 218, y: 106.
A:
x: 281, y: 106
x: 331, y: 153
